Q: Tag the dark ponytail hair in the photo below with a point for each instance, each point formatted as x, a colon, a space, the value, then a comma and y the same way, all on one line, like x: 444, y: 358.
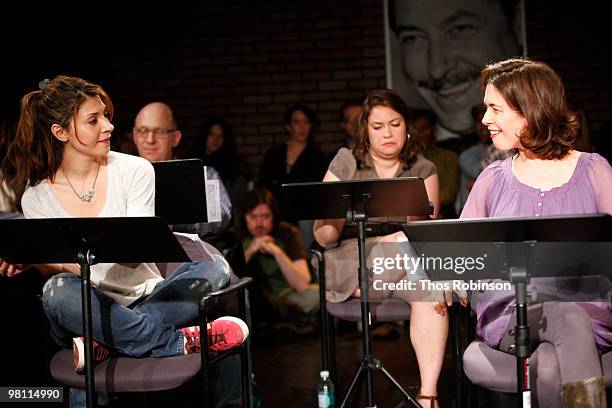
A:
x: 35, y: 153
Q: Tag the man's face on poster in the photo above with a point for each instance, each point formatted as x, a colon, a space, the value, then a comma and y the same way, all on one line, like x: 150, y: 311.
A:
x: 445, y: 44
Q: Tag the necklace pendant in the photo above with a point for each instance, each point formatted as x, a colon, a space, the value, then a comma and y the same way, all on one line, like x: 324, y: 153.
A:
x: 87, y: 196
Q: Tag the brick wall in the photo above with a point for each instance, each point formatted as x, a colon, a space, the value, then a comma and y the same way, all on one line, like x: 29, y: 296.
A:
x: 574, y: 39
x: 247, y: 62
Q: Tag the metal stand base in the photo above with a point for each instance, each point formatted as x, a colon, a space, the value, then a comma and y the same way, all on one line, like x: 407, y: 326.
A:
x: 367, y: 365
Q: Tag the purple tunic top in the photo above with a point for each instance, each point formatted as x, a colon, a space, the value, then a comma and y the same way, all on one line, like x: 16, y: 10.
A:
x: 498, y: 193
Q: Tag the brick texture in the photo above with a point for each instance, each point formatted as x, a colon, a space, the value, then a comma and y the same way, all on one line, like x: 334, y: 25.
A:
x: 574, y: 39
x: 247, y: 60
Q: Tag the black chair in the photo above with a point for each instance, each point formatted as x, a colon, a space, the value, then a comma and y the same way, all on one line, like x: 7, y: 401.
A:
x: 143, y: 375
x: 388, y: 310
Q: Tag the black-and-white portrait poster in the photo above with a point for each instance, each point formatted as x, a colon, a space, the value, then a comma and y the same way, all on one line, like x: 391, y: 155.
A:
x: 435, y: 50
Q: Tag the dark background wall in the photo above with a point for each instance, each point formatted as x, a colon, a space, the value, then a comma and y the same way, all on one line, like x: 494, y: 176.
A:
x: 245, y: 60
x: 248, y: 60
x: 574, y: 39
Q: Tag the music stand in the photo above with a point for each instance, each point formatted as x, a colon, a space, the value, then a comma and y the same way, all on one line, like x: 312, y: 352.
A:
x: 87, y: 241
x: 523, y: 245
x: 184, y: 179
x: 356, y: 200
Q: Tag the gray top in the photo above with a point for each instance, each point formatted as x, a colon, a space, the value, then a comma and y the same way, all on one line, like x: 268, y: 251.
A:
x: 341, y: 278
x: 344, y: 166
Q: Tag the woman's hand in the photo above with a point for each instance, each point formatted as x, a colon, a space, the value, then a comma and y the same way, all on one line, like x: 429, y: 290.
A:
x: 444, y: 298
x: 327, y: 232
x: 398, y: 236
x: 10, y: 270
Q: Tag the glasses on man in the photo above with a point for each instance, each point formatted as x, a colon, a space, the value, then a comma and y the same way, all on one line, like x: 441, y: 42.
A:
x: 158, y: 133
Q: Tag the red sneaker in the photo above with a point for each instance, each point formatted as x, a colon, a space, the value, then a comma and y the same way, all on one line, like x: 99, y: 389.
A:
x: 100, y: 353
x: 224, y: 333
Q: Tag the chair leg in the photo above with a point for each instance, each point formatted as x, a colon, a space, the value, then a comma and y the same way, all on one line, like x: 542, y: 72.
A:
x: 471, y: 331
x: 66, y: 391
x: 246, y: 365
x: 455, y: 321
x: 205, y: 366
x: 113, y: 400
x: 325, y: 318
x: 323, y: 315
x: 332, y: 351
x: 245, y: 377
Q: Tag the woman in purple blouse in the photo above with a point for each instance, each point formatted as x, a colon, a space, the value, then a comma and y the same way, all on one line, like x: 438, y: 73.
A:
x: 527, y: 112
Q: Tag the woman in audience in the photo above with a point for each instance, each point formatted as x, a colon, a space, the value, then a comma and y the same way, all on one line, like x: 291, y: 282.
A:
x: 61, y: 151
x: 386, y: 148
x: 215, y: 145
x: 527, y: 111
x: 295, y: 161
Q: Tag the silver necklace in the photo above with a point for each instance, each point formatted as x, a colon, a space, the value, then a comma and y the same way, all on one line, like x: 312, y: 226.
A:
x: 90, y: 193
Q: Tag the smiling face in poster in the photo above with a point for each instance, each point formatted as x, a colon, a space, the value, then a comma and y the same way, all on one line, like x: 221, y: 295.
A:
x: 439, y: 47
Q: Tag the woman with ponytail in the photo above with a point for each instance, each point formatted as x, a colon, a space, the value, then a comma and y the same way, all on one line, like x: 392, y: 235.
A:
x: 61, y: 153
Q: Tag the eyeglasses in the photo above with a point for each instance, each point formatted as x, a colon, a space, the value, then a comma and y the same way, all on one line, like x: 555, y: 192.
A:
x: 158, y: 133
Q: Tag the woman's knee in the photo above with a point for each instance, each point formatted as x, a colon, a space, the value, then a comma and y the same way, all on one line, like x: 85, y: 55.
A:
x: 569, y: 316
x: 216, y: 272
x: 565, y: 323
x: 546, y: 373
x: 58, y: 288
x: 425, y: 310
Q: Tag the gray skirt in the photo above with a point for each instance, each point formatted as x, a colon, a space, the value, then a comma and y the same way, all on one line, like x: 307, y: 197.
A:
x: 342, y: 271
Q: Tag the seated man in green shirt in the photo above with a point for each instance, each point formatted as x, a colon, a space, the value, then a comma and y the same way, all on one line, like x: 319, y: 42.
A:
x: 275, y: 256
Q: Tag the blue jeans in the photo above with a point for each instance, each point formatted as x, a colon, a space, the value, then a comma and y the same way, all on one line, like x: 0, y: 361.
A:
x: 146, y: 328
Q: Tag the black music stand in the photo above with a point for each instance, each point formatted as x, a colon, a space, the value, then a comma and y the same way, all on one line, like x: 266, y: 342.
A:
x: 88, y: 241
x: 521, y: 247
x: 356, y: 200
x: 184, y: 179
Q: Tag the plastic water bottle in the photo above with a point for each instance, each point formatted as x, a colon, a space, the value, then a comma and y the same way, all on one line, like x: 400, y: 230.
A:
x: 325, y: 391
